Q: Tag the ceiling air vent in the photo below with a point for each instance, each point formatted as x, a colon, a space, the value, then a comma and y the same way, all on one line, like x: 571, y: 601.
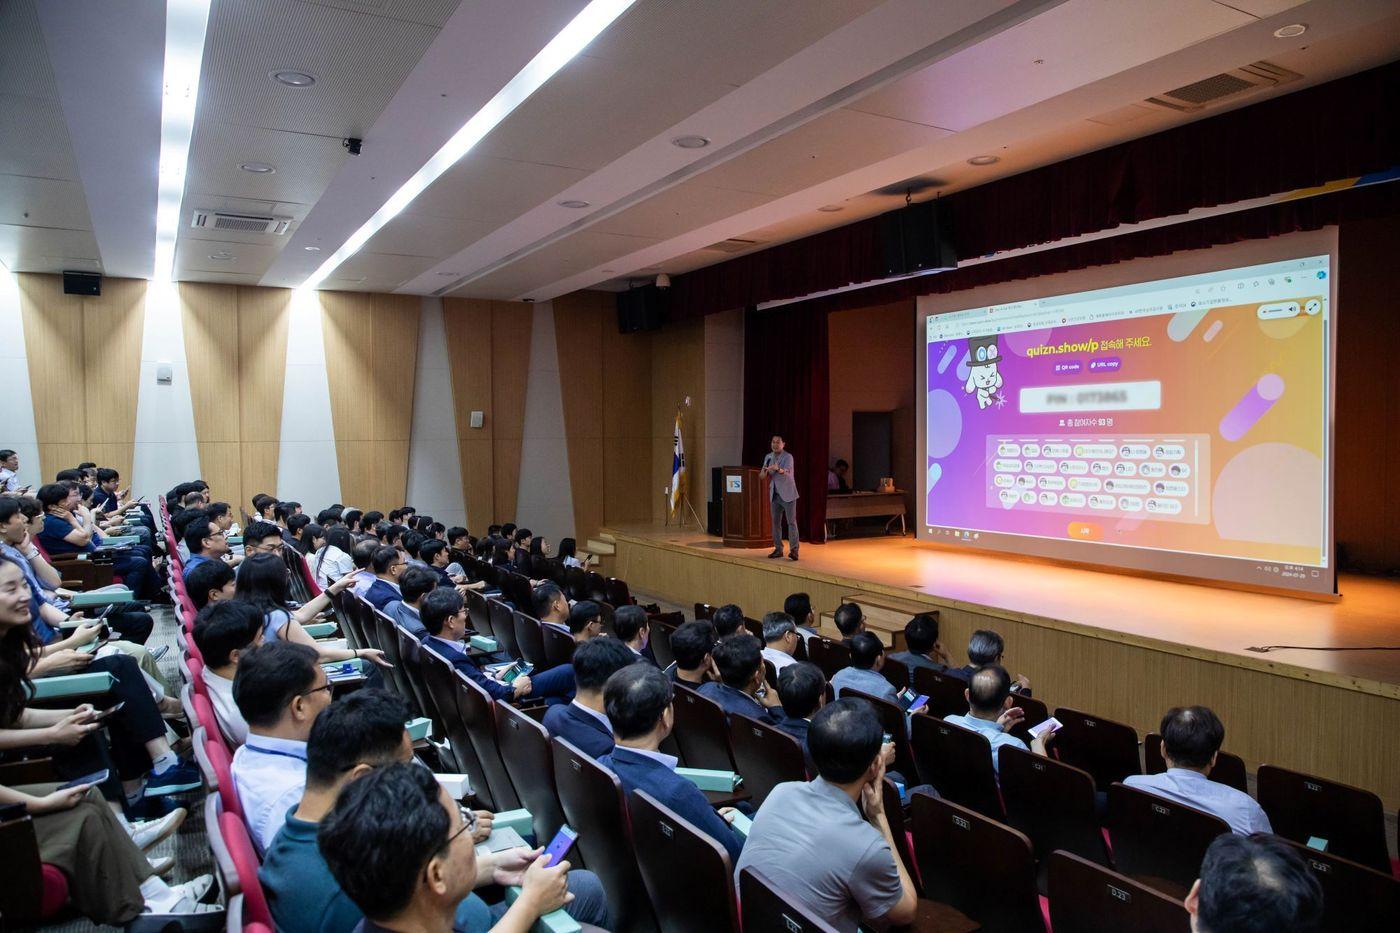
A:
x: 239, y: 223
x: 732, y: 245
x: 1200, y: 94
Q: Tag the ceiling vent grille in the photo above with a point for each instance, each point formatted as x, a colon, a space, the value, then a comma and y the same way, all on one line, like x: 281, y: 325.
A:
x: 239, y: 223
x: 732, y: 245
x: 1200, y: 94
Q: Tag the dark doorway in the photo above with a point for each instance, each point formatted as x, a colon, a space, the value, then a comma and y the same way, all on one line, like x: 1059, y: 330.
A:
x: 872, y: 439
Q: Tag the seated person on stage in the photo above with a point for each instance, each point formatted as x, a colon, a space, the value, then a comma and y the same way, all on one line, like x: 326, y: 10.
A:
x: 387, y: 564
x: 444, y: 615
x: 827, y: 843
x: 925, y: 650
x: 850, y: 621
x: 987, y: 647
x: 64, y: 533
x: 867, y: 660
x: 209, y: 583
x: 280, y: 689
x: 740, y: 688
x: 205, y: 543
x: 990, y: 712
x: 728, y: 620
x: 1254, y: 884
x: 638, y: 701
x: 414, y: 586
x: 836, y: 477
x: 799, y: 606
x: 692, y: 643
x: 1191, y: 737
x: 802, y: 689
x: 780, y: 640
x: 632, y: 628
x: 224, y: 631
x: 584, y: 722
x: 402, y: 850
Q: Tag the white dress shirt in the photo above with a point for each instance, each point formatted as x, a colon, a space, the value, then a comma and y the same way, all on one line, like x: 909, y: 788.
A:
x: 780, y: 659
x: 270, y: 775
x: 231, y: 722
x: 331, y: 563
x: 1194, y: 789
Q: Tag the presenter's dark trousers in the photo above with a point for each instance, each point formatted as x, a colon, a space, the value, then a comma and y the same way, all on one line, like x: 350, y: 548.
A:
x: 781, y: 510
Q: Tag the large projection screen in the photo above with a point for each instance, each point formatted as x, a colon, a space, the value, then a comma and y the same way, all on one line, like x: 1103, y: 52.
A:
x: 1168, y: 415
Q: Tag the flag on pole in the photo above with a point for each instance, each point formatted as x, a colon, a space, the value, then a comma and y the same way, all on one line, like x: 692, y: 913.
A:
x: 677, y: 467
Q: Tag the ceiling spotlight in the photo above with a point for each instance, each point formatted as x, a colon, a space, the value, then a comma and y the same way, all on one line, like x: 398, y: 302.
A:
x: 984, y: 160
x: 258, y: 168
x: 1291, y: 31
x: 690, y: 142
x: 294, y: 78
x: 312, y: 249
x: 574, y: 205
x: 830, y: 208
x: 663, y: 281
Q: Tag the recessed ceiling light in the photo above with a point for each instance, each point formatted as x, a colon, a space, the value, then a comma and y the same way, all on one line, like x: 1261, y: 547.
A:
x: 984, y: 160
x: 258, y: 168
x: 294, y: 78
x: 312, y: 249
x: 690, y: 142
x: 222, y: 257
x: 1291, y: 31
x: 830, y: 208
x: 574, y: 205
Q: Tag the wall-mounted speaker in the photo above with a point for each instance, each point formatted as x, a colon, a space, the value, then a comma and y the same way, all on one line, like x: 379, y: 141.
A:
x: 642, y: 309
x: 916, y: 239
x: 82, y: 283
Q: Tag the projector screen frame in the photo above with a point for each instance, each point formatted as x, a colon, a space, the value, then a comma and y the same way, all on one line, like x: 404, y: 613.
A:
x: 1129, y: 559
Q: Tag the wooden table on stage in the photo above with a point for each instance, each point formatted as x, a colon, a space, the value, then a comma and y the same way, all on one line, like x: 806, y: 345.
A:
x: 865, y: 505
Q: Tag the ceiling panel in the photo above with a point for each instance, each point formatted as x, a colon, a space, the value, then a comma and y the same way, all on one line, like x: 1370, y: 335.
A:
x: 427, y: 12
x: 418, y: 234
x: 198, y: 256
x: 384, y: 271
x: 567, y: 257
x: 305, y: 164
x: 494, y: 190
x: 46, y: 249
x: 688, y: 205
x: 42, y: 202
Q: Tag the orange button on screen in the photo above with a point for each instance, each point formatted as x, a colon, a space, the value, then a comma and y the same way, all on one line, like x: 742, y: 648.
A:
x: 1085, y: 531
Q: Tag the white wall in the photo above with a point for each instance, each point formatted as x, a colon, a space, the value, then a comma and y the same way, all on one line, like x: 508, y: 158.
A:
x: 166, y: 452
x: 434, y: 470
x: 17, y: 430
x: 546, y: 503
x: 307, y: 467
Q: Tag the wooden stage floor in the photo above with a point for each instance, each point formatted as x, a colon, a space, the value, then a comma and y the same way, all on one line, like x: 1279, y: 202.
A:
x: 1179, y: 638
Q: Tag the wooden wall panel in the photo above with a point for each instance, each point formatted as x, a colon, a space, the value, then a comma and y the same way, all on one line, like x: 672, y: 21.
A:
x: 677, y: 371
x: 264, y: 315
x: 511, y: 325
x: 371, y: 354
x: 627, y: 373
x: 579, y: 320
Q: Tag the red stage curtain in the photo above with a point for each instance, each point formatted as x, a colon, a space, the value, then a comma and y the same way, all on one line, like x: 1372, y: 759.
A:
x: 787, y: 392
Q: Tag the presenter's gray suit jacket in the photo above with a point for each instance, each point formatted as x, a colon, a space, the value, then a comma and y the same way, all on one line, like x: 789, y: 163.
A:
x: 783, y: 483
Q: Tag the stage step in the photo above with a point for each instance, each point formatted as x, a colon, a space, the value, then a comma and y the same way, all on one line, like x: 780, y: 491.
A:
x: 602, y: 545
x: 885, y: 616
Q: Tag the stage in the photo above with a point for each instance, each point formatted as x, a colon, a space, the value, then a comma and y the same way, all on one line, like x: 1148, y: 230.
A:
x: 1120, y: 646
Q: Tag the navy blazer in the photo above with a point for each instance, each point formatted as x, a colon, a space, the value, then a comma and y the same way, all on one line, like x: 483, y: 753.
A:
x: 581, y: 730
x: 797, y: 727
x: 465, y: 665
x: 381, y: 594
x: 638, y: 772
x: 737, y: 701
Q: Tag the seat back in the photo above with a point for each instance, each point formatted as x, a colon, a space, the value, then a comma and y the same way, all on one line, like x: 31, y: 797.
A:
x: 591, y: 797
x: 1349, y: 818
x: 1086, y: 897
x: 828, y: 654
x: 896, y: 672
x: 947, y: 695
x: 525, y: 750
x: 765, y: 756
x: 704, y: 611
x: 441, y: 680
x: 1157, y: 841
x: 1035, y: 712
x: 764, y: 908
x: 245, y: 865
x: 894, y: 721
x: 1228, y: 770
x: 661, y: 643
x: 217, y: 759
x: 575, y: 583
x: 983, y: 868
x: 474, y: 706
x: 899, y: 828
x: 1053, y: 804
x: 687, y: 874
x: 478, y: 614
x: 616, y: 592
x: 364, y: 618
x: 702, y: 732
x: 516, y: 588
x: 529, y: 639
x: 387, y: 636
x: 595, y: 587
x: 1354, y: 897
x: 1106, y: 749
x: 958, y: 762
x: 503, y: 627
x: 558, y: 646
x: 411, y: 671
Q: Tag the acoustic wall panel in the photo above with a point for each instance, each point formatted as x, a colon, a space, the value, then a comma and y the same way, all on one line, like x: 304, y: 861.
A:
x: 434, y: 470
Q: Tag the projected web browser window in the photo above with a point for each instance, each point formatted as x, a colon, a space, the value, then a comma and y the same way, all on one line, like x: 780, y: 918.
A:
x: 1178, y: 425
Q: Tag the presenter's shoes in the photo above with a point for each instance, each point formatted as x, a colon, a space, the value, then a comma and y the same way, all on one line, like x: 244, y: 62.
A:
x: 777, y: 553
x: 792, y: 556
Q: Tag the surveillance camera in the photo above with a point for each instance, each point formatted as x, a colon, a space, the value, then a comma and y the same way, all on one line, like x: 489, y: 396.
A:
x: 352, y: 144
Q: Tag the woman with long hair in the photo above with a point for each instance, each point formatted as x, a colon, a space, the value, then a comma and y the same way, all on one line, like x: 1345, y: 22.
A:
x: 333, y: 559
x: 263, y: 581
x: 568, y: 553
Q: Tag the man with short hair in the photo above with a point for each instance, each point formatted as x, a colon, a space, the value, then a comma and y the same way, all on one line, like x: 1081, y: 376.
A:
x: 280, y: 689
x: 632, y: 628
x: 638, y: 703
x: 827, y: 843
x: 989, y: 711
x: 585, y: 621
x: 550, y: 605
x: 1191, y: 740
x: 444, y: 615
x: 433, y: 555
x: 780, y: 640
x: 778, y: 467
x: 361, y: 555
x: 584, y: 722
x: 387, y: 564
x: 224, y: 632
x: 987, y: 647
x: 924, y: 648
x: 64, y: 533
x: 728, y: 620
x: 415, y: 584
x: 9, y: 473
x: 1254, y: 884
x: 262, y: 538
x: 205, y: 543
x: 799, y: 606
x: 740, y: 689
x: 863, y: 674
x: 802, y: 690
x: 211, y: 582
x: 850, y: 621
x: 692, y: 643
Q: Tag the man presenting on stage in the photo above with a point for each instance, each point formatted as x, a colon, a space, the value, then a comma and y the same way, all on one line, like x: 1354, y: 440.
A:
x: 777, y: 466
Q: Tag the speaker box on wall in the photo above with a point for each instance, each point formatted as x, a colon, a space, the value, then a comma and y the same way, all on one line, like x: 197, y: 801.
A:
x: 82, y: 283
x: 915, y: 239
x: 642, y: 309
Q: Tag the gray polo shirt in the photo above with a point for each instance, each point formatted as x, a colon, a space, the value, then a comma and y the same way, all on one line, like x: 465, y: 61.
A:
x: 813, y: 844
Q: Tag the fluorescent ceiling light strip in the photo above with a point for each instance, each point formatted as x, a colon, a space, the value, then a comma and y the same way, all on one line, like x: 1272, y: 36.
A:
x: 572, y: 39
x: 185, y: 24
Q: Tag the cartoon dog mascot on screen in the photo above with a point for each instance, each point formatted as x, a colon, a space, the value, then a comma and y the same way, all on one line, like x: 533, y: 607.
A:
x: 983, y: 376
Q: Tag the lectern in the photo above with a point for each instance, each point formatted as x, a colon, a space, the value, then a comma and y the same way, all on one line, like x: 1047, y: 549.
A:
x: 747, y: 522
